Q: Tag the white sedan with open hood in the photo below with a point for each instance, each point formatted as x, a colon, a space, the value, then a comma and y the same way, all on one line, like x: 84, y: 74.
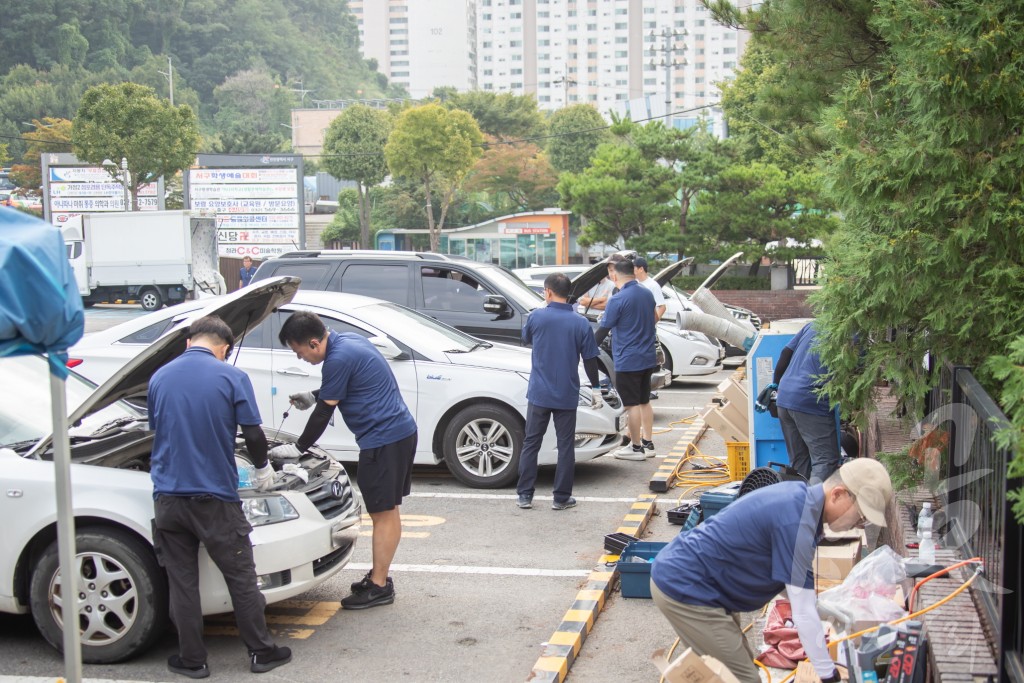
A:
x: 304, y: 531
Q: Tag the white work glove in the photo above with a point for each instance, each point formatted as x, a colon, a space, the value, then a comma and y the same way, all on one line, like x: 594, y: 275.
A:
x: 265, y: 477
x: 304, y: 400
x: 596, y: 402
x: 285, y: 451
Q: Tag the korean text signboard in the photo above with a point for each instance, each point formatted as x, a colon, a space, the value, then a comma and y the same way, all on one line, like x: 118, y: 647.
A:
x: 72, y: 187
x: 258, y: 200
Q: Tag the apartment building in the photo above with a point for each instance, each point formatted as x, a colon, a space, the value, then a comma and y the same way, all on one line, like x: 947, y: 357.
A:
x: 642, y: 57
x: 420, y: 44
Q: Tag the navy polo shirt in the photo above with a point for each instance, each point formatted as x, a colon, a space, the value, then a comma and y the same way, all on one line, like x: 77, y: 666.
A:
x: 196, y: 404
x: 800, y: 381
x: 630, y: 316
x: 560, y: 337
x: 746, y: 554
x: 358, y: 377
x: 245, y: 275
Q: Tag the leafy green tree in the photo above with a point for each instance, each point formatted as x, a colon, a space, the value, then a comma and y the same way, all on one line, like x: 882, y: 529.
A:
x: 252, y: 101
x: 621, y: 194
x: 50, y: 135
x: 926, y: 171
x: 754, y: 204
x: 518, y: 176
x: 354, y: 150
x: 248, y: 142
x: 505, y: 116
x: 437, y: 147
x: 344, y: 227
x: 129, y: 121
x: 576, y: 132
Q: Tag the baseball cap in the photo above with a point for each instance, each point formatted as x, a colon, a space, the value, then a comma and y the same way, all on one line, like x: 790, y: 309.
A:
x: 640, y: 262
x: 869, y: 482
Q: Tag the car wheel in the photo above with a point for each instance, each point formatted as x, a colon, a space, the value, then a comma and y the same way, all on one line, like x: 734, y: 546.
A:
x: 122, y: 596
x: 482, y: 445
x: 150, y: 299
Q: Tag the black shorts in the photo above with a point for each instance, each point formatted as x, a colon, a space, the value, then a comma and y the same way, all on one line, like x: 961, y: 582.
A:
x: 634, y: 387
x: 385, y: 474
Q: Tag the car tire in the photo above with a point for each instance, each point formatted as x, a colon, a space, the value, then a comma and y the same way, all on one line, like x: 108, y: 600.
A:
x: 481, y: 446
x: 131, y: 590
x: 150, y: 299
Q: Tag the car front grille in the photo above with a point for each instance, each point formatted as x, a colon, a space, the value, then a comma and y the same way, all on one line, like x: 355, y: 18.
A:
x: 322, y: 495
x: 330, y: 560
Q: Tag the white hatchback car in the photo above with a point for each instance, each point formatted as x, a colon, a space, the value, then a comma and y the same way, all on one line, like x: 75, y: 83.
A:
x: 468, y: 396
x: 304, y: 532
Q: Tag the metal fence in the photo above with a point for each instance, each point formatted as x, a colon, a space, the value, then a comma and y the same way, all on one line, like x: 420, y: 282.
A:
x: 980, y: 515
x: 806, y: 271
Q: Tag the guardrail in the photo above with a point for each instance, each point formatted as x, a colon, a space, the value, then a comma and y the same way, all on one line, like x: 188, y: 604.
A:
x: 978, y: 509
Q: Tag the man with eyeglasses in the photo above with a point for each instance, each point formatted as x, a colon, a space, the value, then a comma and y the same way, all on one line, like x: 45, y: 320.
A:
x: 756, y: 547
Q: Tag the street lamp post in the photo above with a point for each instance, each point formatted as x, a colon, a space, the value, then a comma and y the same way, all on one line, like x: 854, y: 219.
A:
x: 124, y: 183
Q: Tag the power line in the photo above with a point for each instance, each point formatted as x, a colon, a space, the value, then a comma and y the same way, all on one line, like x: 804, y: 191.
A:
x: 33, y: 140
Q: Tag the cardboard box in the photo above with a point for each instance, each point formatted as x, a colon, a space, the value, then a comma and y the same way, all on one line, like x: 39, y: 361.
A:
x: 690, y: 667
x: 725, y: 427
x: 833, y: 561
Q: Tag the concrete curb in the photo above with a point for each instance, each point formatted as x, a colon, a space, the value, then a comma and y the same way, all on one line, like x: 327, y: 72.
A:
x: 565, y: 643
x: 665, y: 476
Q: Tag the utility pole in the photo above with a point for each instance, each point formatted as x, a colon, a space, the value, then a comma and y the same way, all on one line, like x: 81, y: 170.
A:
x: 668, y: 61
x: 170, y: 79
x: 566, y: 82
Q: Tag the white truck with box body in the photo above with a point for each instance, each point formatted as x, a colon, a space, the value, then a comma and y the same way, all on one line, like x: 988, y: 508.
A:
x: 153, y: 257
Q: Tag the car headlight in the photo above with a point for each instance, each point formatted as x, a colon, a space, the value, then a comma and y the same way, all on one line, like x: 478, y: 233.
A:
x: 264, y: 510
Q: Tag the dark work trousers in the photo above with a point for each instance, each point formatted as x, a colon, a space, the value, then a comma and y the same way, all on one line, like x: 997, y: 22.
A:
x: 812, y: 442
x: 181, y: 525
x: 565, y: 432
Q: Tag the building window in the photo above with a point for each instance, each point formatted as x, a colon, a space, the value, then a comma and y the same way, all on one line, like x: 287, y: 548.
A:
x: 488, y: 86
x: 591, y: 55
x: 648, y: 10
x: 517, y: 58
x: 516, y: 72
x: 591, y: 12
x: 591, y: 27
x: 700, y: 65
x: 700, y: 22
x: 543, y: 15
x: 544, y: 98
x: 621, y: 11
x: 515, y: 43
x: 680, y: 23
x: 698, y: 79
x: 488, y: 72
x: 544, y: 29
x: 515, y: 15
x: 699, y: 51
x: 544, y: 56
x: 543, y: 43
x: 403, y: 62
x: 399, y: 20
x: 698, y: 36
x: 728, y: 50
x: 570, y: 13
x: 650, y: 81
x: 621, y: 26
x: 571, y: 41
x: 621, y: 54
x: 591, y: 69
x: 649, y: 67
x: 621, y: 96
x: 573, y: 28
x: 621, y: 67
x: 650, y: 24
x: 399, y: 74
x: 487, y: 17
x: 729, y: 65
x: 621, y: 81
x: 399, y: 32
x: 621, y: 40
x: 517, y: 85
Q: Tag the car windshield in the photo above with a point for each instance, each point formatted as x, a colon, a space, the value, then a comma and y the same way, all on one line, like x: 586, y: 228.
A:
x: 515, y: 288
x: 25, y: 403
x: 415, y: 329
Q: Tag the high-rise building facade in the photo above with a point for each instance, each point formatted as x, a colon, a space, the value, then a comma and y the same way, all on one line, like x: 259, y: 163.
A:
x: 642, y: 57
x: 420, y: 44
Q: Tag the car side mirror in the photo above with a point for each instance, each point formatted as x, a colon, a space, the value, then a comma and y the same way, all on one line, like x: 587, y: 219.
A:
x: 387, y: 348
x: 497, y: 305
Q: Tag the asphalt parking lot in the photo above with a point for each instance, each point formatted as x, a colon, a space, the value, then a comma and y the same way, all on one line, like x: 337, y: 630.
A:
x: 480, y: 584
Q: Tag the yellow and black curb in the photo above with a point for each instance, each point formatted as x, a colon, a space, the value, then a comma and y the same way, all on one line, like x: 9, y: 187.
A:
x: 665, y: 476
x: 565, y: 643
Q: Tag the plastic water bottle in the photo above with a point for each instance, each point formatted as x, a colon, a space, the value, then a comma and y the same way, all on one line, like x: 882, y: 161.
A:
x: 244, y: 477
x: 925, y: 542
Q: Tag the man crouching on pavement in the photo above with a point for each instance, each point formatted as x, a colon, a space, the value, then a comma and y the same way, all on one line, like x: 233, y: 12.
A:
x: 745, y: 555
x: 357, y: 379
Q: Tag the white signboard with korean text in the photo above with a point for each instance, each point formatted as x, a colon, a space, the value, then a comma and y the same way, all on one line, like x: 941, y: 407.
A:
x: 71, y: 188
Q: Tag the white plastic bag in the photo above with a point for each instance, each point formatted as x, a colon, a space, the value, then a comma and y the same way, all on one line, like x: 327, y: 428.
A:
x: 866, y: 594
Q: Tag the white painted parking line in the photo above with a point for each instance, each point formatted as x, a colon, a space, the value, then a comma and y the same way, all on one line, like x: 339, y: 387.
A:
x: 463, y: 569
x: 513, y: 496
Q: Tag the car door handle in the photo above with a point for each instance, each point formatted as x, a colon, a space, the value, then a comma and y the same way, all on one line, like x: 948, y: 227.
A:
x: 295, y: 372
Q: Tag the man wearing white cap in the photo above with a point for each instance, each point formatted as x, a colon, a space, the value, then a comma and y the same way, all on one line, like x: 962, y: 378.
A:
x: 758, y: 546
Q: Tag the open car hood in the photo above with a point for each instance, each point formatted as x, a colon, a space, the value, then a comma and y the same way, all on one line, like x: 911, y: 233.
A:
x: 242, y: 311
x: 720, y: 271
x: 665, y: 275
x: 582, y: 283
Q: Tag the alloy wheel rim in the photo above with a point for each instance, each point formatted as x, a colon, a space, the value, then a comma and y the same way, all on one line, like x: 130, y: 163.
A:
x: 484, y: 447
x: 107, y: 601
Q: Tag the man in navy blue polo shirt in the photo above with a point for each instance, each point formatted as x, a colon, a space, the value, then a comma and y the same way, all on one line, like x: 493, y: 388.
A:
x: 630, y: 314
x: 560, y: 337
x: 195, y: 487
x: 357, y: 379
x: 809, y: 425
x: 751, y: 551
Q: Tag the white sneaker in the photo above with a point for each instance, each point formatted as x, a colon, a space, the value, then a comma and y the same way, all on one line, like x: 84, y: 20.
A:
x: 630, y: 452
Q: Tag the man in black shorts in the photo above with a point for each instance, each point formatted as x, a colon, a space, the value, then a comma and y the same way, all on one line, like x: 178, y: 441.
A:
x: 630, y: 314
x: 357, y: 379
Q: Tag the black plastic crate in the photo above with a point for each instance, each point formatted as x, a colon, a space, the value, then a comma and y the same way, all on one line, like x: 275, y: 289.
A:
x: 615, y: 543
x: 679, y: 515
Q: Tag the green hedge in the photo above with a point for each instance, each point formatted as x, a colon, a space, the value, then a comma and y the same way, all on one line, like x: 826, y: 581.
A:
x: 692, y: 282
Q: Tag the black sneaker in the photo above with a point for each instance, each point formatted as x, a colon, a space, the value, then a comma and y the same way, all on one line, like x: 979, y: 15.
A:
x: 175, y: 665
x: 649, y: 450
x: 525, y: 501
x: 262, y: 663
x: 376, y: 595
x: 565, y: 505
x: 362, y: 584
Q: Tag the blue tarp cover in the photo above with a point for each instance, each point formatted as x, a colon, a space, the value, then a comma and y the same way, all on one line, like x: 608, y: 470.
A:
x: 40, y: 308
